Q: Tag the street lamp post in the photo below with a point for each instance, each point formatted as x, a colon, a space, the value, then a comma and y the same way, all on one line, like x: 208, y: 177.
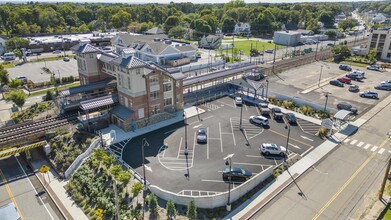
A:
x: 229, y: 162
x: 143, y: 144
x: 267, y: 89
x: 241, y: 108
x: 320, y: 75
x: 287, y: 126
x: 184, y: 118
x: 325, y: 104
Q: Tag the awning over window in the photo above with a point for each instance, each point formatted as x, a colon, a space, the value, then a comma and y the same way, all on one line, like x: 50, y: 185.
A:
x: 98, y: 102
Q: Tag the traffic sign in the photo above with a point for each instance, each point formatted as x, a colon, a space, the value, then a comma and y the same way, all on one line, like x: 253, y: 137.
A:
x: 44, y: 169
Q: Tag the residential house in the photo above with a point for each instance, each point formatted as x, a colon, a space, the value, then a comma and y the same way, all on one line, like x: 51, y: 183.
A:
x: 242, y: 29
x: 378, y: 18
x: 156, y: 48
x: 340, y: 17
x: 210, y: 41
x: 132, y: 93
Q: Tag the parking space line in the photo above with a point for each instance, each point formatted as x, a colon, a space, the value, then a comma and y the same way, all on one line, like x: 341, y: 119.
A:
x: 245, y: 106
x: 381, y: 151
x: 255, y: 156
x: 221, y: 140
x: 192, y: 160
x: 346, y: 140
x: 208, y: 117
x: 257, y: 110
x: 180, y: 145
x: 173, y: 158
x: 367, y: 146
x: 232, y: 129
x: 290, y: 138
x: 374, y: 148
x: 216, y: 181
x: 305, y: 152
x: 353, y: 142
x: 360, y: 144
x: 250, y: 164
x: 275, y: 161
x: 207, y: 144
x: 226, y: 104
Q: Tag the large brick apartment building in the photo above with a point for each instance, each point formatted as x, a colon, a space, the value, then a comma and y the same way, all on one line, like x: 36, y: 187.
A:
x: 144, y: 90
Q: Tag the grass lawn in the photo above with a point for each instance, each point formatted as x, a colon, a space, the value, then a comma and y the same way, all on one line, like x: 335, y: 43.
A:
x: 71, y: 56
x: 387, y: 216
x: 8, y: 65
x: 259, y: 45
x: 43, y: 92
x: 353, y: 64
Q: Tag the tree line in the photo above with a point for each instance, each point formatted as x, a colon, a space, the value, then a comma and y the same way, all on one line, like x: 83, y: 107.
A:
x: 175, y: 18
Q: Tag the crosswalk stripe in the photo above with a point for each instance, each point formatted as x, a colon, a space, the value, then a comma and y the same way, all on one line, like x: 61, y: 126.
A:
x: 381, y: 151
x: 367, y: 146
x: 360, y: 144
x: 347, y: 140
x: 374, y: 148
x: 353, y: 142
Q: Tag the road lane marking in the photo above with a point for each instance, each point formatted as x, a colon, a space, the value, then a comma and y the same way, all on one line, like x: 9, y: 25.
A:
x: 374, y: 148
x: 207, y: 117
x: 367, y: 146
x: 257, y: 110
x: 328, y: 203
x: 249, y: 164
x: 346, y: 140
x: 232, y: 129
x: 221, y: 140
x: 381, y: 151
x: 207, y: 144
x: 197, y: 126
x: 12, y: 197
x: 305, y: 152
x: 353, y: 142
x: 360, y: 144
x: 304, y: 137
x: 295, y: 146
x: 180, y: 146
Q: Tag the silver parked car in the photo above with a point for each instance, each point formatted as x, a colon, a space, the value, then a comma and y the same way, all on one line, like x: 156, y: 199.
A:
x: 201, y: 136
x: 368, y: 94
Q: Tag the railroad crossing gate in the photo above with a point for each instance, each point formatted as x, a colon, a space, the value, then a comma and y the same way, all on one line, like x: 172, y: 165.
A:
x: 15, y: 150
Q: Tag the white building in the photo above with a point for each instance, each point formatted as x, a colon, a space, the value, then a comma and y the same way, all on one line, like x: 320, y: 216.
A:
x: 287, y: 38
x: 242, y: 28
x: 210, y: 41
x: 380, y: 39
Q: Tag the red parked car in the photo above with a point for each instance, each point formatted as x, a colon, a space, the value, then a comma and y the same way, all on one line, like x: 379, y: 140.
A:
x: 345, y: 80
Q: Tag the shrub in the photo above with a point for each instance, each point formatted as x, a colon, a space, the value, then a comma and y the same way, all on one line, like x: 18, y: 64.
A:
x: 322, y: 132
x: 306, y: 110
x: 272, y: 100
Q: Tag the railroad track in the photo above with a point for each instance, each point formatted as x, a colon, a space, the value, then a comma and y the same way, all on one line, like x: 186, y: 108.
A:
x: 31, y: 129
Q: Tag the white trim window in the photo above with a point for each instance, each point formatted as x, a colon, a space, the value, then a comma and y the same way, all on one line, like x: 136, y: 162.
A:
x: 167, y: 101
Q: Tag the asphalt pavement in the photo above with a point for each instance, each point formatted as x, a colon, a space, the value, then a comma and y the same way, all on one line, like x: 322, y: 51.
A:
x: 20, y: 186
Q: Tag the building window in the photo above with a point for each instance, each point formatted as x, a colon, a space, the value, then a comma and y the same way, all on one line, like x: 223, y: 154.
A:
x: 155, y: 95
x: 129, y: 86
x: 154, y: 80
x: 178, y: 84
x: 167, y: 87
x: 119, y: 80
x: 168, y: 101
x: 138, y: 71
x: 155, y: 109
x: 388, y: 55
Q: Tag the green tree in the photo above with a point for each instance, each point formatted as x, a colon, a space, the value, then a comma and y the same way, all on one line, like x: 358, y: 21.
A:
x: 347, y: 24
x: 23, y: 28
x: 152, y: 204
x: 120, y: 19
x: 191, y: 210
x: 372, y: 55
x: 176, y: 32
x: 49, y: 95
x: 17, y: 43
x: 18, y: 97
x: 14, y: 83
x: 313, y: 25
x: 228, y: 25
x: 83, y: 28
x: 115, y: 170
x: 327, y: 18
x: 136, y: 189
x: 4, y: 76
x: 331, y: 34
x: 171, y: 22
x: 108, y: 160
x: 340, y: 52
x: 124, y: 177
x: 171, y: 211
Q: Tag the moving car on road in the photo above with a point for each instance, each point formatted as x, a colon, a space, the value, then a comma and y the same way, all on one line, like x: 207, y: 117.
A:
x: 201, y: 136
x: 267, y: 149
x: 346, y: 106
x: 345, y: 79
x: 276, y: 113
x: 368, y: 94
x: 236, y: 173
x: 336, y: 83
x: 260, y: 120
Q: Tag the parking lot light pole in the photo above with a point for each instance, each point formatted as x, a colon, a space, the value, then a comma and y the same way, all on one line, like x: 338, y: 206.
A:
x: 325, y: 104
x: 144, y: 143
x: 229, y: 162
x: 267, y: 89
x: 287, y: 126
x: 320, y: 75
x: 184, y: 118
x: 241, y: 109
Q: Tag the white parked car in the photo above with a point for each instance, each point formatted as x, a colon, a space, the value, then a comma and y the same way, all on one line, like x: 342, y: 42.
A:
x: 238, y: 101
x: 260, y: 120
x: 268, y: 149
x: 373, y: 67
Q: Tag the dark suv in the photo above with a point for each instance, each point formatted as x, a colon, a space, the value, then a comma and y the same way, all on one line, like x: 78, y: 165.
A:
x: 346, y: 106
x: 277, y: 114
x: 345, y: 67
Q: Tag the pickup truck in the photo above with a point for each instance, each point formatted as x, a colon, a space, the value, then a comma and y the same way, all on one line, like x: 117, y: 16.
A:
x: 264, y: 108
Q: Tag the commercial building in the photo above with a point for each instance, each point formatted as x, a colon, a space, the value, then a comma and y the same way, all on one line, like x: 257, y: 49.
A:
x: 380, y: 39
x: 121, y: 89
x: 287, y: 38
x: 210, y: 41
x: 156, y: 48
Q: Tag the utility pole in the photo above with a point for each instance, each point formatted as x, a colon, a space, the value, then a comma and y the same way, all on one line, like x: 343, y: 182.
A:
x: 250, y: 51
x: 233, y: 45
x: 383, y: 185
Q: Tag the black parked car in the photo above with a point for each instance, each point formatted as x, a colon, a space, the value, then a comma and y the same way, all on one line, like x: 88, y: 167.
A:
x: 346, y: 106
x: 237, y: 173
x: 336, y: 83
x: 277, y: 114
x: 291, y: 118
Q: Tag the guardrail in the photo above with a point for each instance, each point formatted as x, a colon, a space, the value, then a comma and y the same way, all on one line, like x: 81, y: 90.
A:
x: 79, y: 160
x: 217, y: 200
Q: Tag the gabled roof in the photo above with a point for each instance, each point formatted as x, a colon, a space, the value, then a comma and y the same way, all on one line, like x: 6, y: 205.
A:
x: 185, y: 48
x: 89, y: 87
x: 158, y: 47
x: 130, y: 62
x: 85, y: 48
x: 155, y: 31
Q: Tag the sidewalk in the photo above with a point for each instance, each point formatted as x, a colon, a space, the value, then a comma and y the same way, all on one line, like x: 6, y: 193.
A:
x: 55, y: 188
x: 263, y: 197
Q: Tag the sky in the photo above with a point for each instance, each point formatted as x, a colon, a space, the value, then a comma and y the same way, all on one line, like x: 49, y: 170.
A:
x: 193, y: 1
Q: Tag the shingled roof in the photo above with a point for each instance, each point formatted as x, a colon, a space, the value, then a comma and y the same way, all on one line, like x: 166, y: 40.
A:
x: 85, y: 48
x: 155, y: 31
x: 128, y: 39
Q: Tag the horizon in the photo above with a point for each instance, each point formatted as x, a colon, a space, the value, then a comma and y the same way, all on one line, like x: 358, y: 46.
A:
x: 183, y: 1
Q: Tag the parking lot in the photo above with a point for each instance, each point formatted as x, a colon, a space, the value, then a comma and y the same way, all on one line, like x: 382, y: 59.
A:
x: 165, y: 155
x: 303, y: 83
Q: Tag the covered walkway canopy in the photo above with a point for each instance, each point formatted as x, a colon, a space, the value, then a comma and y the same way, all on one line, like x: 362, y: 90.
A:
x: 98, y: 102
x: 342, y: 115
